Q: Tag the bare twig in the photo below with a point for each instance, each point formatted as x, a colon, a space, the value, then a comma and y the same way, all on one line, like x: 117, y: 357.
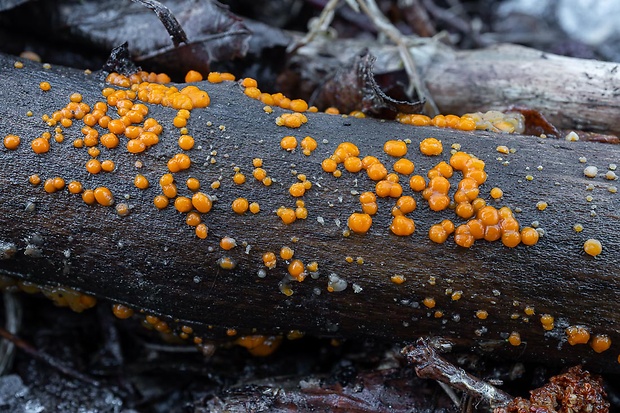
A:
x: 321, y: 25
x: 172, y: 25
x: 370, y: 8
x: 46, y: 358
x: 430, y: 365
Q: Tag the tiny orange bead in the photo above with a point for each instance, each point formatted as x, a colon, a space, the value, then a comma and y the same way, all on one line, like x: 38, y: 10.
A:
x: 431, y: 147
x: 193, y: 76
x: 161, y: 201
x: 202, y: 231
x: 240, y: 205
x: 141, y: 182
x: 395, y: 148
x: 186, y: 142
x: 529, y: 236
x: 329, y: 165
x: 93, y: 166
x: 11, y: 142
x: 193, y: 184
x: 288, y: 143
x: 103, y: 196
x: 202, y: 202
x: 183, y: 204
x: 402, y: 226
x: 40, y: 145
x: 359, y: 223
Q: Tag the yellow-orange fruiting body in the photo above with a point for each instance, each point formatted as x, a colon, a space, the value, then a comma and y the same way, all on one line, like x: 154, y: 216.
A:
x: 431, y: 147
x: 239, y: 178
x: 74, y: 187
x: 359, y: 223
x: 288, y: 143
x: 103, y: 196
x: 437, y: 234
x: 161, y: 201
x: 109, y: 140
x: 404, y: 166
x: 193, y: 184
x: 402, y: 226
x: 186, y: 142
x: 298, y: 105
x: 592, y: 247
x: 329, y: 165
x: 45, y: 86
x: 193, y: 76
x: 376, y: 171
x: 11, y: 142
x: 269, y: 259
x: 600, y: 343
x: 183, y: 204
x: 296, y: 270
x: 193, y: 219
x: 353, y: 164
x: 297, y: 189
x: 88, y: 196
x: 514, y: 339
x: 496, y: 193
x: 482, y: 314
x: 577, y: 335
x: 107, y: 166
x: 308, y: 144
x: 40, y: 145
x: 122, y: 312
x: 228, y: 243
x: 201, y: 231
x: 240, y: 205
x: 287, y: 215
x: 417, y: 183
x: 395, y: 148
x: 202, y: 202
x: 429, y: 302
x: 286, y: 253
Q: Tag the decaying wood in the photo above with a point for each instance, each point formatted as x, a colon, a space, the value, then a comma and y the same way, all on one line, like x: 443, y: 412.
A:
x: 572, y: 93
x: 152, y: 260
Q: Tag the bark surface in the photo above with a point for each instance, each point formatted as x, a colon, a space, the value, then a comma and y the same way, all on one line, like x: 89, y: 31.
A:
x: 152, y: 260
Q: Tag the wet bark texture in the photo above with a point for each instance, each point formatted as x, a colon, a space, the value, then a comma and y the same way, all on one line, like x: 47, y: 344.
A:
x: 152, y: 260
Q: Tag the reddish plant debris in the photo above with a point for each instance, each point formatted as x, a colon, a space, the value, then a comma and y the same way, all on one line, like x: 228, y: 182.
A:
x: 574, y: 391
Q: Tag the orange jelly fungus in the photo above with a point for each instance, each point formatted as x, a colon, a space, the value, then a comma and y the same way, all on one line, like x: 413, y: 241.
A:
x: 296, y: 270
x: 600, y: 343
x: 288, y: 143
x: 359, y: 223
x: 429, y: 302
x: 431, y: 147
x: 183, y: 204
x: 103, y: 196
x: 308, y: 144
x: 11, y: 142
x: 404, y: 166
x: 577, y: 335
x: 287, y: 215
x: 161, y: 201
x: 240, y: 205
x: 514, y: 339
x: 228, y: 243
x: 395, y: 148
x: 402, y: 226
x: 286, y: 253
x: 202, y: 202
x: 193, y: 76
x: 122, y: 312
x: 40, y: 145
x: 201, y: 231
x: 592, y: 247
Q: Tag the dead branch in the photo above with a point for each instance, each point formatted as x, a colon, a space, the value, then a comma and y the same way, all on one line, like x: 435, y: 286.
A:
x: 151, y: 260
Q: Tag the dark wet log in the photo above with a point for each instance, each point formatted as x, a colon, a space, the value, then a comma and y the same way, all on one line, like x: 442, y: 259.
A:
x: 152, y: 260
